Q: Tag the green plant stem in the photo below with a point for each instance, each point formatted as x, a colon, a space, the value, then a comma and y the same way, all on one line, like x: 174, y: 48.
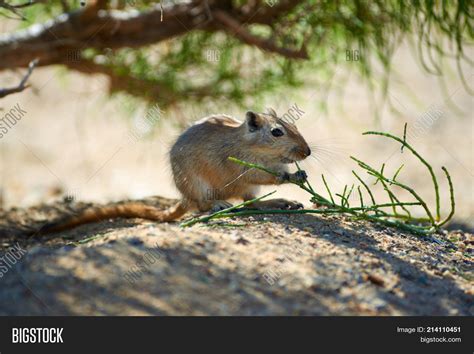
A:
x: 394, y: 199
x: 401, y: 185
x: 324, y: 201
x: 451, y: 193
x: 216, y: 214
x: 264, y: 169
x: 393, y: 223
x: 414, y: 152
x: 390, y: 195
x: 408, y: 218
x: 327, y: 188
x: 388, y: 205
x: 397, y: 172
x: 253, y: 165
x: 360, y: 197
x: 366, y: 187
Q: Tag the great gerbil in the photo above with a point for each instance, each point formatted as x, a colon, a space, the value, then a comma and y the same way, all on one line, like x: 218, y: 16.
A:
x: 206, y: 178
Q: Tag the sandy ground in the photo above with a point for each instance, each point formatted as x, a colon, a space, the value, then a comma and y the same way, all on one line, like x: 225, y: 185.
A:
x: 272, y: 265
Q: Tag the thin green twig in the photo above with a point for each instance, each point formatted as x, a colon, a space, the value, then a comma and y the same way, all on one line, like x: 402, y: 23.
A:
x: 216, y: 214
x: 451, y: 193
x: 393, y: 198
x: 366, y: 187
x: 397, y: 172
x: 414, y: 152
x: 327, y: 188
x: 375, y: 173
x: 361, y: 198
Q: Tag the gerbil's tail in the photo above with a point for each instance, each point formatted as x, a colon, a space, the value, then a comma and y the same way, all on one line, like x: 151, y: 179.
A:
x: 126, y: 210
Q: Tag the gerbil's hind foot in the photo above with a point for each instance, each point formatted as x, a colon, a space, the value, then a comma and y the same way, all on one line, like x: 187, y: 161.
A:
x: 277, y: 204
x: 219, y: 205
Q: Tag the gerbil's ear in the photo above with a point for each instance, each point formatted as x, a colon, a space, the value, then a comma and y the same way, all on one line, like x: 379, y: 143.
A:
x: 272, y: 112
x: 254, y: 121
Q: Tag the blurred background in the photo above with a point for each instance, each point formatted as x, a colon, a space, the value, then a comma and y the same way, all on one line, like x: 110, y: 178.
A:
x: 109, y: 97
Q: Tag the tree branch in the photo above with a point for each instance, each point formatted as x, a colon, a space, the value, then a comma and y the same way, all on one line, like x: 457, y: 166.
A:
x: 14, y: 8
x: 264, y: 14
x: 237, y: 29
x: 145, y: 89
x: 22, y: 85
x: 149, y: 90
x: 62, y: 40
x: 53, y: 41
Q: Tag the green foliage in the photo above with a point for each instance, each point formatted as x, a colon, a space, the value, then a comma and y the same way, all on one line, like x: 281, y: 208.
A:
x: 189, y: 71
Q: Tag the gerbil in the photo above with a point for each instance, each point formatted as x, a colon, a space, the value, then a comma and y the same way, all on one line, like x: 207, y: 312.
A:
x: 207, y: 179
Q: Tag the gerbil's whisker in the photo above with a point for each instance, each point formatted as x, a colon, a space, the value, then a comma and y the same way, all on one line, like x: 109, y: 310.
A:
x: 323, y: 165
x: 327, y: 154
x: 334, y: 144
x: 329, y: 149
x: 318, y: 159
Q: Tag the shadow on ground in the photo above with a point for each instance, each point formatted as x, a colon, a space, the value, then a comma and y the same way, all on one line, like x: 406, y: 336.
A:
x: 278, y: 265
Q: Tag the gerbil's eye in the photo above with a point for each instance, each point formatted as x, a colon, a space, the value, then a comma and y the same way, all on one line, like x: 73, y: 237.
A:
x: 277, y: 132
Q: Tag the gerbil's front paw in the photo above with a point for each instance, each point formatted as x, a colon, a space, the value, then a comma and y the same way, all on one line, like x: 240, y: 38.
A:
x: 298, y: 177
x: 284, y: 177
x: 220, y: 205
x: 279, y: 204
x: 291, y: 205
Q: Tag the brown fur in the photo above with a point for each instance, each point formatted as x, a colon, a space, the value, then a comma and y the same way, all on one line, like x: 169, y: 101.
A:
x: 204, y: 175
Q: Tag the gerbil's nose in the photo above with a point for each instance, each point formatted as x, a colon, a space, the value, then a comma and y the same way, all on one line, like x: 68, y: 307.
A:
x: 308, y: 151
